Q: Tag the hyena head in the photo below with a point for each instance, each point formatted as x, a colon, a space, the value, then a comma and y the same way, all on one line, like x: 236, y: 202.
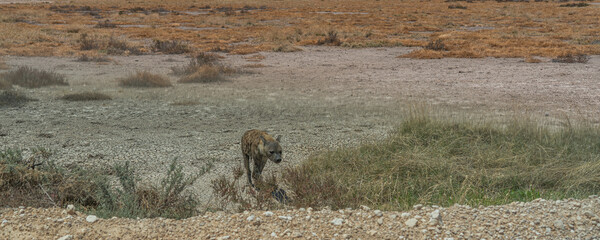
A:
x: 271, y: 149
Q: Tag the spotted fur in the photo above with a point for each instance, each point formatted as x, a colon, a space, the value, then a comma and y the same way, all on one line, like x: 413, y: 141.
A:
x: 259, y: 147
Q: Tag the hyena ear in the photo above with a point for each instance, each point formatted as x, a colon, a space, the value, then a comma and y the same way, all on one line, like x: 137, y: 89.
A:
x: 263, y: 139
x: 278, y: 138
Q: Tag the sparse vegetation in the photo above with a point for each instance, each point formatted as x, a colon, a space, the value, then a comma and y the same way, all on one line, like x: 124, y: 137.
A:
x: 572, y: 58
x: 145, y: 79
x: 86, y: 96
x: 13, y: 98
x: 531, y: 59
x: 112, y: 45
x: 437, y: 45
x: 3, y: 64
x: 93, y: 58
x: 170, y: 47
x: 203, y: 68
x: 33, y: 78
x: 581, y: 4
x: 286, y: 48
x: 456, y: 6
x: 4, y: 84
x: 105, y: 24
x: 331, y: 39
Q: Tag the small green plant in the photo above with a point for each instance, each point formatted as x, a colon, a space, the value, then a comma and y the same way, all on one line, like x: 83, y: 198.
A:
x: 170, y: 47
x: 145, y: 79
x: 86, y: 96
x: 33, y: 78
x: 131, y: 200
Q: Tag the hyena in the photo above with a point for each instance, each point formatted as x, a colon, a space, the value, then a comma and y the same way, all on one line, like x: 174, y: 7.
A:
x: 260, y: 147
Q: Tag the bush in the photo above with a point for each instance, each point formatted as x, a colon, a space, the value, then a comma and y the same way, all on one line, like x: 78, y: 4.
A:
x: 331, y: 39
x: 113, y: 45
x: 437, y: 45
x: 86, y: 96
x: 33, y: 78
x: 170, y: 47
x: 13, y: 98
x: 572, y: 58
x: 132, y: 201
x: 145, y: 79
x: 439, y: 162
x: 203, y: 68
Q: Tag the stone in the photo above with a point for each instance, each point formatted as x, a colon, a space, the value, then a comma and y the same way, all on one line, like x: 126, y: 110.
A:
x: 337, y: 221
x: 380, y: 221
x: 273, y: 234
x: 411, y: 222
x: 559, y: 224
x: 418, y: 207
x: 66, y: 237
x: 250, y: 218
x: 223, y: 238
x: 71, y: 209
x: 268, y: 213
x: 363, y: 207
x: 91, y: 218
x: 287, y: 218
x: 378, y: 213
x: 405, y: 215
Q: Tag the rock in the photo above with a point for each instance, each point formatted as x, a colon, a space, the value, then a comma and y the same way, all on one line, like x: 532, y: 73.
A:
x: 418, y: 207
x: 287, y: 218
x: 372, y: 232
x: 71, y: 209
x: 91, y: 218
x: 273, y: 234
x: 223, y: 238
x: 411, y: 222
x: 296, y: 234
x: 393, y: 216
x: 405, y: 215
x: 559, y: 224
x: 337, y: 221
x: 435, y: 218
x: 590, y: 215
x: 250, y: 218
x: 380, y: 221
x: 378, y: 213
x: 363, y: 207
x: 268, y: 213
x: 66, y: 237
x: 4, y: 222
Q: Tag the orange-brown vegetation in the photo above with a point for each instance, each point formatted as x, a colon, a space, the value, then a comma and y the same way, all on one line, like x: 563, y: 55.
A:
x: 476, y: 29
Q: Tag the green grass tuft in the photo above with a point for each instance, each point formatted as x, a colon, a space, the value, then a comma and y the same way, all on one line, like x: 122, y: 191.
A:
x: 441, y: 162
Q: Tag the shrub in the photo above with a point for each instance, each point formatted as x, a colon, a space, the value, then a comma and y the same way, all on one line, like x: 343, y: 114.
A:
x: 13, y: 98
x: 170, y: 47
x: 89, y: 43
x: 113, y: 45
x: 105, y: 24
x: 86, y: 96
x: 203, y: 68
x: 33, y: 78
x: 145, y: 79
x: 331, y: 39
x: 131, y: 200
x: 572, y: 58
x: 456, y: 6
x: 437, y: 45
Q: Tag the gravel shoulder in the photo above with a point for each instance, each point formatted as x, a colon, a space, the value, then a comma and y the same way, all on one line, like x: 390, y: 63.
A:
x: 319, y: 99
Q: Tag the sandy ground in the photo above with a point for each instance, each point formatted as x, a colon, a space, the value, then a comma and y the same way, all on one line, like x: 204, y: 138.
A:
x: 319, y: 99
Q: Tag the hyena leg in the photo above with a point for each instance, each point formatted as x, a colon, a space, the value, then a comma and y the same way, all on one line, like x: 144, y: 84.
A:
x: 247, y: 166
x: 258, y: 168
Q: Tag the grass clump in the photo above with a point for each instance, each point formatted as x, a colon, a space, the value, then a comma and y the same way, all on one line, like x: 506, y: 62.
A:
x: 4, y: 85
x: 331, y: 39
x: 33, y: 78
x: 170, y: 47
x: 432, y: 161
x: 131, y: 200
x: 204, y: 68
x: 86, y: 96
x: 112, y: 45
x: 572, y: 58
x: 437, y: 45
x: 145, y: 79
x: 13, y: 98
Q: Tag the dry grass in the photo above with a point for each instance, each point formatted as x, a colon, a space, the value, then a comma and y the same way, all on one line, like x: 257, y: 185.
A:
x: 12, y: 98
x: 86, y: 96
x: 4, y: 84
x: 111, y: 45
x: 204, y: 68
x: 484, y: 28
x: 145, y: 79
x: 531, y: 59
x: 33, y: 78
x: 3, y: 65
x: 170, y: 47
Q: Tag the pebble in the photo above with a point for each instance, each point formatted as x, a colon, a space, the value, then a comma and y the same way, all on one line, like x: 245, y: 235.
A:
x: 91, y: 218
x: 418, y: 207
x: 411, y: 222
x: 363, y: 207
x: 559, y: 224
x: 337, y: 221
x: 71, y: 209
x: 405, y: 215
x: 268, y: 213
x: 66, y: 237
x: 287, y: 218
x: 380, y: 221
x: 273, y: 234
x: 378, y: 213
x: 250, y: 218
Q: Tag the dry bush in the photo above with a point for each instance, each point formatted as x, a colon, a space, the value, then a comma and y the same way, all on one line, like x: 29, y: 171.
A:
x: 113, y: 45
x: 423, y: 54
x: 170, y: 47
x: 33, y: 78
x: 87, y: 42
x: 572, y: 58
x: 457, y: 6
x: 93, y: 58
x: 202, y: 59
x: 13, y: 98
x: 86, y: 96
x: 145, y: 79
x: 331, y: 39
x: 203, y: 68
x: 437, y: 45
x: 4, y: 84
x: 286, y: 48
x: 531, y: 59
